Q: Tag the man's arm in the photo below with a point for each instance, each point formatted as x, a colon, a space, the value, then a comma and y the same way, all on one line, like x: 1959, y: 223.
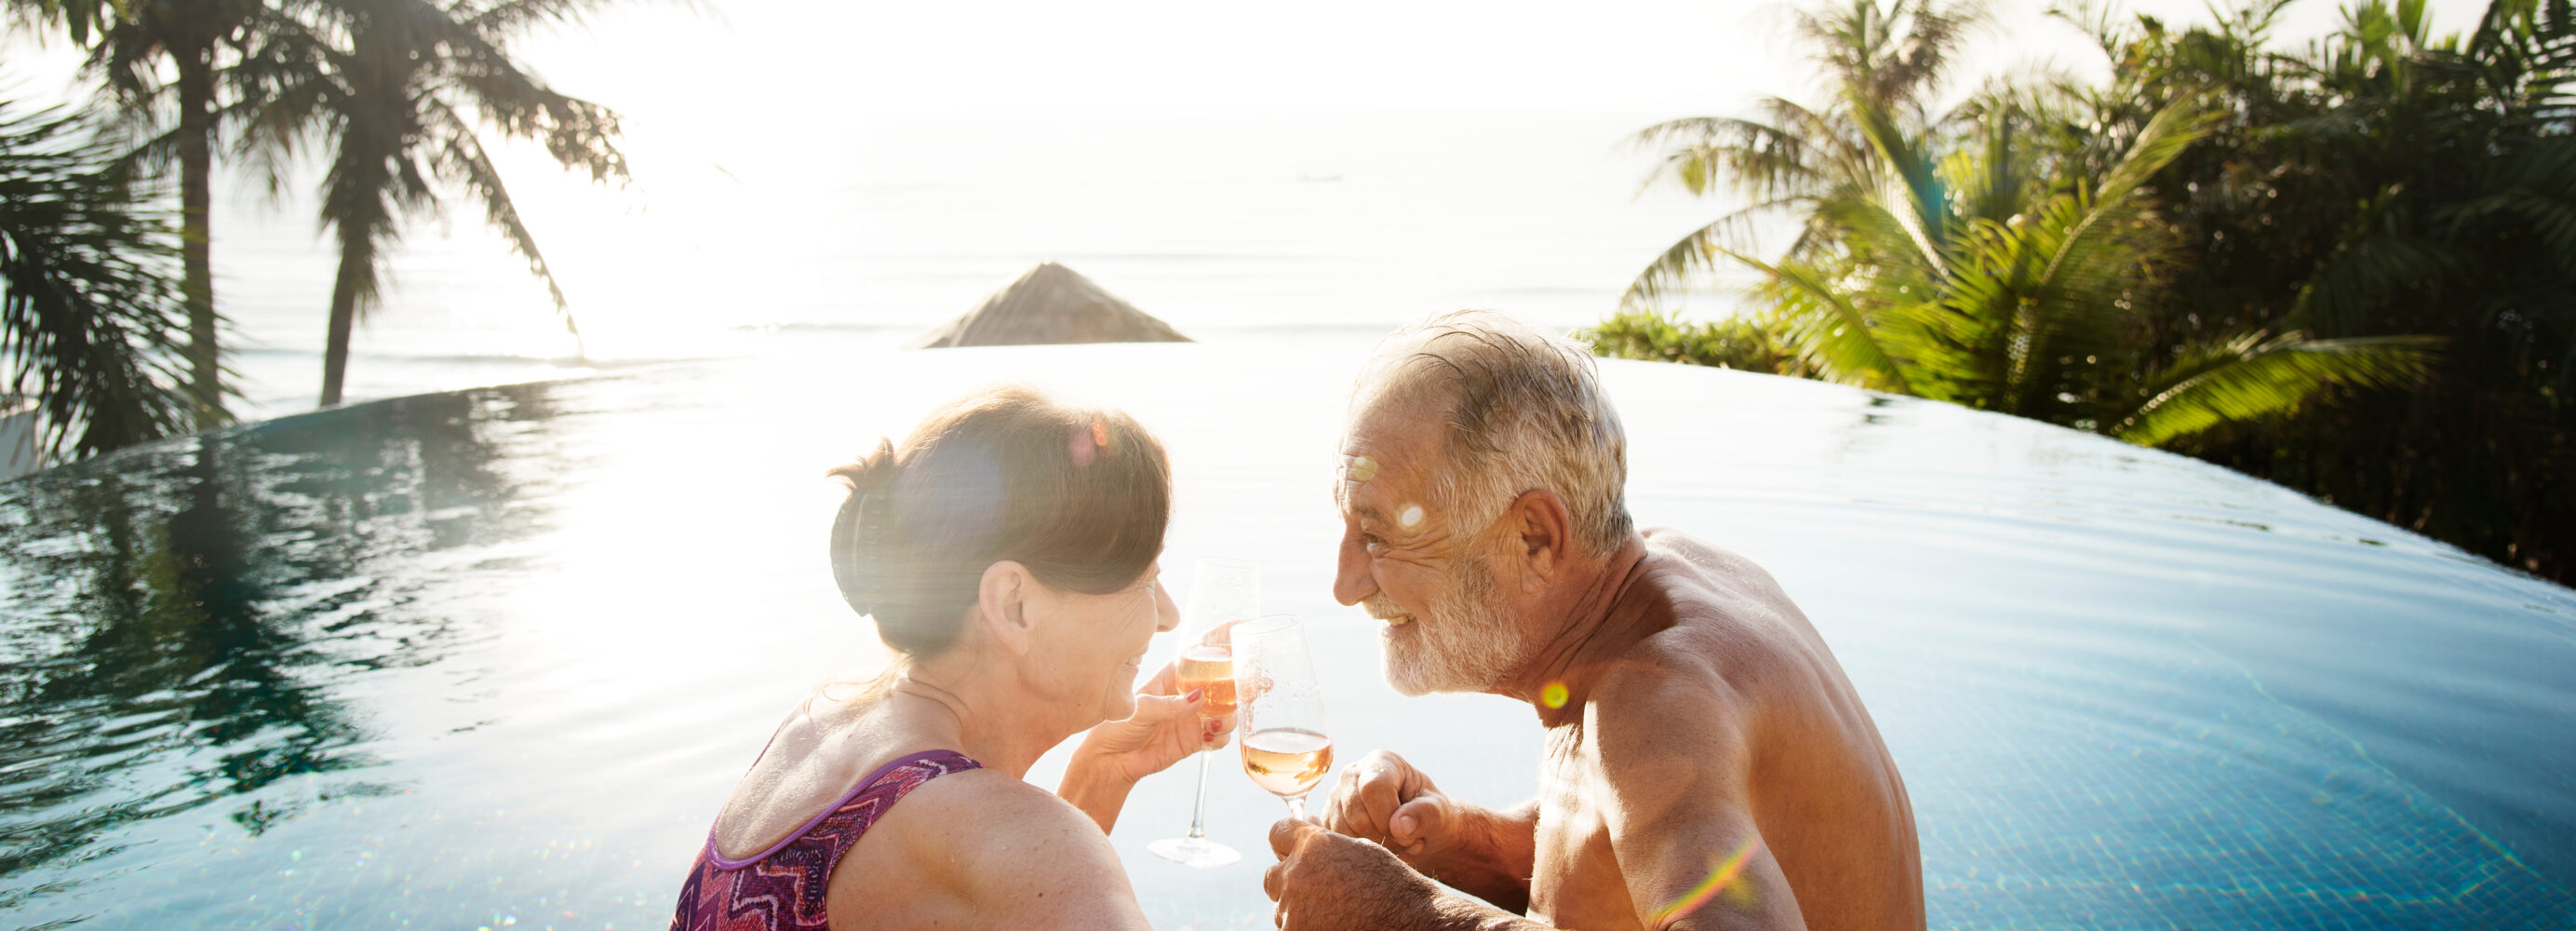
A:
x: 1506, y: 854
x: 1330, y: 882
x: 1671, y: 750
x: 1475, y: 850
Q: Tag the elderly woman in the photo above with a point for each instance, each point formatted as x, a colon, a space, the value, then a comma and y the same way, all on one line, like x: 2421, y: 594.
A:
x: 1006, y: 551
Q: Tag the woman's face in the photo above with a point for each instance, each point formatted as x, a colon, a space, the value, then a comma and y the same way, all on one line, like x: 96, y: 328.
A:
x: 1090, y: 647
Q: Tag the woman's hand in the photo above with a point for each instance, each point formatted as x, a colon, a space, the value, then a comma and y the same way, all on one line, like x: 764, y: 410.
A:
x: 1164, y: 729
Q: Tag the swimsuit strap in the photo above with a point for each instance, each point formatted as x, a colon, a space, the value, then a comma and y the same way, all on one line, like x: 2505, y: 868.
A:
x: 838, y: 829
x: 783, y: 887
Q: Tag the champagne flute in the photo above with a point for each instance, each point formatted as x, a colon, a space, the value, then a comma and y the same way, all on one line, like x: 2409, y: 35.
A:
x: 1223, y: 590
x: 1285, y: 744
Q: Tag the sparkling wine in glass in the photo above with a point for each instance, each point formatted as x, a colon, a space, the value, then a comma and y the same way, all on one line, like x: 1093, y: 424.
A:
x: 1223, y: 590
x: 1286, y: 748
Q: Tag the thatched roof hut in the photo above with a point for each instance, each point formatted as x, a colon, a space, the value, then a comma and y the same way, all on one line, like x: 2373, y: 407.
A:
x: 1051, y: 304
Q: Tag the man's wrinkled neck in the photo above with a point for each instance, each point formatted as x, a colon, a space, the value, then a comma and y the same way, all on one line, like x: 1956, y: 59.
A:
x: 1594, y: 630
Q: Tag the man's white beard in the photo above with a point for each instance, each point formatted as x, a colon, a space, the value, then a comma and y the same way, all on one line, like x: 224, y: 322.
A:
x: 1461, y: 642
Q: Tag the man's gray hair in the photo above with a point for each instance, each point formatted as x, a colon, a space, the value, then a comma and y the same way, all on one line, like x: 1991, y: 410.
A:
x: 1524, y: 410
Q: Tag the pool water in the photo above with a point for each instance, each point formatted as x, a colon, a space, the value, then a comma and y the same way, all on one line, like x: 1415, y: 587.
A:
x: 492, y: 658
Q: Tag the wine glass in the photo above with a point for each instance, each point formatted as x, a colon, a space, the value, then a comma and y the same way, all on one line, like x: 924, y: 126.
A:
x: 1223, y: 590
x: 1285, y: 744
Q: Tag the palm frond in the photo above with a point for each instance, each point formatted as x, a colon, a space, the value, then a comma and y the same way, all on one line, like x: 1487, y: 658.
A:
x: 2167, y: 134
x: 461, y: 159
x: 497, y: 18
x: 1842, y: 340
x: 90, y: 304
x: 1762, y: 160
x: 2252, y: 379
x: 1701, y: 251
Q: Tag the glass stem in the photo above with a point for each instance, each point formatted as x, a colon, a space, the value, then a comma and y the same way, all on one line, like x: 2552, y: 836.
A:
x: 1296, y: 808
x: 1198, y: 812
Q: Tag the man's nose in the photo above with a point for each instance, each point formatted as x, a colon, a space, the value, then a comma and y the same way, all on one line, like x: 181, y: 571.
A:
x: 1351, y: 578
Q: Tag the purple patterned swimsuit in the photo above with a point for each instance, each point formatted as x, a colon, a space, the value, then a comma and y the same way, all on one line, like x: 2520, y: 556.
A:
x: 784, y: 886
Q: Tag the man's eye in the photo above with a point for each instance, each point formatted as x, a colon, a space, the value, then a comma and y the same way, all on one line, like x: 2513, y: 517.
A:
x: 1371, y: 541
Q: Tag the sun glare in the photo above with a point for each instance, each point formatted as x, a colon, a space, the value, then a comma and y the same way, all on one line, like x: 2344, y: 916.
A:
x: 1720, y: 880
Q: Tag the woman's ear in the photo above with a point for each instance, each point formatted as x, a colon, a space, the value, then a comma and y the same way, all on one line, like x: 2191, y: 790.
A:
x: 1002, y: 603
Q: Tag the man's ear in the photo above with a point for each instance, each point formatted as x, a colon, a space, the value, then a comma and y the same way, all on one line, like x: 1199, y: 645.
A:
x: 1545, y: 531
x: 1002, y: 603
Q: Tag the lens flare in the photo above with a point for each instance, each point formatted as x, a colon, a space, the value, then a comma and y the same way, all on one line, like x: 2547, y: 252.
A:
x: 1083, y: 446
x: 1358, y: 468
x: 1552, y: 695
x: 1719, y: 880
x: 1412, y: 516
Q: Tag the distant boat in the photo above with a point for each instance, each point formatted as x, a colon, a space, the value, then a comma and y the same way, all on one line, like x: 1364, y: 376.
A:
x: 19, y: 453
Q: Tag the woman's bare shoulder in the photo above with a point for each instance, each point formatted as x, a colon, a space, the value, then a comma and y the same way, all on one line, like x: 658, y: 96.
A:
x: 992, y: 846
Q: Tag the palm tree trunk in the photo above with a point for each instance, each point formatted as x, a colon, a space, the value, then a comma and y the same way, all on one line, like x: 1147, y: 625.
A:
x: 196, y: 162
x: 357, y: 252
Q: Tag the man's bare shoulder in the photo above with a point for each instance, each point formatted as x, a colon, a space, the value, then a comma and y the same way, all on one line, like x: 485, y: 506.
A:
x: 1676, y: 560
x: 1665, y: 724
x: 1724, y: 640
x: 1714, y: 610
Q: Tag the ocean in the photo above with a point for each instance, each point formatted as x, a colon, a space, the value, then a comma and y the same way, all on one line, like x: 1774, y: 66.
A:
x: 860, y: 236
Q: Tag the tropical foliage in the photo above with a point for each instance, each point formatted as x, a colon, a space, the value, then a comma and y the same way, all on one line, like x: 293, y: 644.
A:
x: 89, y: 293
x: 2346, y: 268
x: 398, y: 92
x: 396, y: 98
x: 1753, y: 343
x: 2385, y: 182
x: 162, y: 64
x: 1956, y: 257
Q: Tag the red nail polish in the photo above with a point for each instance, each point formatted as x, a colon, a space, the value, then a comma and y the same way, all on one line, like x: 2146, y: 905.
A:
x: 1194, y: 694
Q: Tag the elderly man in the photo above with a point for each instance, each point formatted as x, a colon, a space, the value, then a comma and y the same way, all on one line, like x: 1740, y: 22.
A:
x: 1708, y: 765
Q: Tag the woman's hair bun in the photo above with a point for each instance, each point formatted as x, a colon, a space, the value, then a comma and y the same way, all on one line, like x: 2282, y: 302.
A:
x: 858, y: 531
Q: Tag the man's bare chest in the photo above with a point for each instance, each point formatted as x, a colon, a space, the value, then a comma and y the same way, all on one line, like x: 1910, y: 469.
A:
x: 1575, y: 880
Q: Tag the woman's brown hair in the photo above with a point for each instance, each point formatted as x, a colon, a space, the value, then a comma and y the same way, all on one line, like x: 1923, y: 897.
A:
x: 1079, y: 497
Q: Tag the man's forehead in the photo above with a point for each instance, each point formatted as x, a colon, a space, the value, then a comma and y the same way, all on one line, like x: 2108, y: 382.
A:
x: 1358, y: 469
x: 1386, y: 456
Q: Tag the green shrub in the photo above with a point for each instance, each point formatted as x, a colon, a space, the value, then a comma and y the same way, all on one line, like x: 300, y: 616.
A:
x: 1748, y: 343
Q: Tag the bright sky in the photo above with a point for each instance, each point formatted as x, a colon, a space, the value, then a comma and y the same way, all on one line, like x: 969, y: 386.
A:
x: 725, y: 98
x: 809, y: 61
x: 815, y: 59
x: 759, y: 65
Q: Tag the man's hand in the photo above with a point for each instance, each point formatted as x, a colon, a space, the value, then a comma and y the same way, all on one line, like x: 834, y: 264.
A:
x: 1382, y: 798
x: 1325, y: 881
x: 1483, y: 853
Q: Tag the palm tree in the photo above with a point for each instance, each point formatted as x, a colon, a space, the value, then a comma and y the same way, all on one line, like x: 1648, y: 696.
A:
x: 129, y: 40
x: 1885, y: 65
x: 1953, y: 259
x: 396, y: 89
x: 2386, y: 181
x: 88, y: 304
x: 188, y: 34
